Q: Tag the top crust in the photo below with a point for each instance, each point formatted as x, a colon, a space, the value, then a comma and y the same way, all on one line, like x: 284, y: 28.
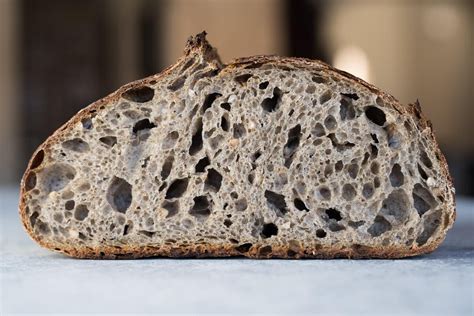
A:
x: 197, y: 47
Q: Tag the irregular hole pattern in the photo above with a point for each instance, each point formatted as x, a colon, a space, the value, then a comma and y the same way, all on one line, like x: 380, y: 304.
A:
x: 244, y: 247
x: 224, y: 124
x: 348, y: 192
x: 269, y: 230
x: 396, y: 205
x: 196, y: 141
x: 375, y: 115
x: 242, y: 79
x: 346, y: 109
x: 277, y: 202
x: 202, y: 164
x: 139, y: 94
x: 37, y: 160
x: 239, y: 130
x: 166, y: 168
x: 380, y: 226
x: 209, y: 100
x: 119, y: 194
x: 30, y: 181
x: 318, y: 130
x: 423, y: 200
x: 201, y: 207
x: 430, y: 225
x: 170, y: 140
x: 396, y: 176
x: 325, y: 97
x: 109, y: 141
x: 425, y: 159
x: 300, y: 205
x: 334, y: 214
x: 292, y: 144
x: 81, y: 212
x: 57, y: 176
x: 171, y: 207
x: 213, y: 180
x: 367, y: 190
x: 76, y: 144
x: 143, y: 125
x: 271, y: 104
x: 177, y: 188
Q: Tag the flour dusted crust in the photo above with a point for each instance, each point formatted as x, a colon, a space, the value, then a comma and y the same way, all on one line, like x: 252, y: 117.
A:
x: 263, y: 157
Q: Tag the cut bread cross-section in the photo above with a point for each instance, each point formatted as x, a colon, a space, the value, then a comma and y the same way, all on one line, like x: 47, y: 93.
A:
x: 262, y: 157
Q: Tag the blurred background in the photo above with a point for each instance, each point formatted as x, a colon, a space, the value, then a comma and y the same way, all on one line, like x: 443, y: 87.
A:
x: 58, y: 56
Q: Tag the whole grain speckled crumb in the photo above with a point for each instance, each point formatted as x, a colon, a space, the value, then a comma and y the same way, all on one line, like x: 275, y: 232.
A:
x: 263, y: 157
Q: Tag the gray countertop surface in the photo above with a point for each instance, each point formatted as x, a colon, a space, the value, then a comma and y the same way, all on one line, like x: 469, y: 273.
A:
x: 35, y: 280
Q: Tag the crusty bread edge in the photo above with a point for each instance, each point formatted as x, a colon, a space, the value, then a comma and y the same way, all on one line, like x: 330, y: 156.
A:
x: 199, y: 45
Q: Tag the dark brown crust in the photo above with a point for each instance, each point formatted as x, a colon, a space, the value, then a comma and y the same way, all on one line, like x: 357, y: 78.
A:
x: 199, y: 45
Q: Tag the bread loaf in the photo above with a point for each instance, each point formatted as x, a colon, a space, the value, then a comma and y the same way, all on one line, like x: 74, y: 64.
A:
x: 263, y: 157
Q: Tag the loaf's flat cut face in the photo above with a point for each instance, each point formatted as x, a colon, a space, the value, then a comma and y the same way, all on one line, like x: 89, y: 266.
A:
x: 263, y: 157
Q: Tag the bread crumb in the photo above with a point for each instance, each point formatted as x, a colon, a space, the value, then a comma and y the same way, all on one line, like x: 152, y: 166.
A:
x: 234, y: 143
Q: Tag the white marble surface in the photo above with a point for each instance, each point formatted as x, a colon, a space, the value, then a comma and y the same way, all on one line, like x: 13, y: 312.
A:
x: 34, y: 280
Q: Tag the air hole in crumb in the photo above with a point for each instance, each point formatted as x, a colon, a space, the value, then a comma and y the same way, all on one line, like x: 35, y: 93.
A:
x: 375, y: 115
x: 393, y: 137
x: 57, y: 176
x: 318, y: 79
x: 170, y: 140
x: 87, y: 123
x: 271, y: 104
x: 177, y: 188
x: 375, y: 167
x: 239, y: 130
x: 213, y: 180
x: 334, y: 214
x: 277, y: 202
x: 224, y: 124
x: 227, y: 223
x: 30, y: 181
x: 367, y: 190
x: 330, y: 122
x: 294, y: 135
x: 166, y: 168
x: 127, y: 228
x: 177, y: 84
x: 208, y: 100
x: 346, y: 109
x: 321, y: 233
x: 430, y: 225
x: 376, y: 182
x: 336, y: 227
x: 241, y: 204
x: 244, y: 247
x: 109, y: 141
x: 242, y: 79
x: 300, y: 205
x: 396, y: 205
x: 196, y: 141
x: 318, y: 130
x: 423, y: 199
x: 352, y: 96
x: 325, y: 193
x: 69, y: 205
x: 141, y: 125
x: 225, y: 106
x: 263, y: 85
x: 374, y: 138
x: 265, y: 251
x: 76, y: 144
x: 396, y: 176
x: 171, y: 207
x: 356, y: 224
x: 374, y: 151
x: 348, y: 192
x: 339, y: 165
x: 269, y: 230
x: 119, y: 194
x: 353, y: 170
x: 325, y: 97
x: 422, y: 172
x: 37, y: 160
x: 202, y: 164
x: 380, y: 226
x: 139, y: 94
x: 201, y: 207
x: 425, y: 159
x: 33, y: 218
x: 81, y: 212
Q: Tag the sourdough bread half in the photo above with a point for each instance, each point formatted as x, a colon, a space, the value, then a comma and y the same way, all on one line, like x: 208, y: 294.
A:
x: 263, y: 157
